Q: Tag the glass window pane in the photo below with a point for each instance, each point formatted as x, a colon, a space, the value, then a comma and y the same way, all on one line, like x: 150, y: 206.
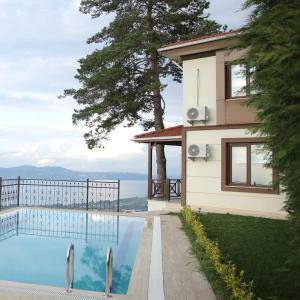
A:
x: 239, y: 164
x: 238, y: 80
x: 260, y: 175
x: 251, y: 74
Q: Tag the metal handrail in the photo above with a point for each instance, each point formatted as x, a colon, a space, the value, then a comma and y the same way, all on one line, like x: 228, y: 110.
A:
x: 70, y: 256
x: 109, y: 265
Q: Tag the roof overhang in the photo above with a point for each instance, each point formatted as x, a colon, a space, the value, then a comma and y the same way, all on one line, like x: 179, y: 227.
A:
x: 167, y: 140
x: 178, y: 51
x: 167, y: 136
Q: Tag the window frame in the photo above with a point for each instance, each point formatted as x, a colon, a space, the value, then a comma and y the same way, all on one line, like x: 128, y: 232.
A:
x: 228, y: 81
x: 226, y: 168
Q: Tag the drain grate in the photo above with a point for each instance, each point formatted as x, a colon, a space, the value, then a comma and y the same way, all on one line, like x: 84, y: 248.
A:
x: 49, y: 293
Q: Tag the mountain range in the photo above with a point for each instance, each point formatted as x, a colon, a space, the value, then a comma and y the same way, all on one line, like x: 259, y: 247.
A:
x: 31, y: 172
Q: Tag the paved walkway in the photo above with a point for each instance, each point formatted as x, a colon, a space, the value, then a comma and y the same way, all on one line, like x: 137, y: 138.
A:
x: 182, y: 279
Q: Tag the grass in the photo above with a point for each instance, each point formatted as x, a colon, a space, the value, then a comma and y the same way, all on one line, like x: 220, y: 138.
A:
x: 258, y: 246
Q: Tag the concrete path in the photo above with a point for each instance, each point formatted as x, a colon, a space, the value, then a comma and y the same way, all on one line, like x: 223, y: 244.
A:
x: 182, y: 279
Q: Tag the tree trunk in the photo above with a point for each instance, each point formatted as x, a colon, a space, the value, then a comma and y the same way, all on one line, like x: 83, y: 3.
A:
x: 158, y: 111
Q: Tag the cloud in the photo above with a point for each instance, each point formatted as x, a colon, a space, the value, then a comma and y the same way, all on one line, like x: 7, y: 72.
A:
x: 31, y: 72
x: 228, y: 12
x: 17, y: 98
x: 54, y: 144
x: 41, y: 42
x: 7, y: 153
x: 44, y: 20
x: 45, y: 162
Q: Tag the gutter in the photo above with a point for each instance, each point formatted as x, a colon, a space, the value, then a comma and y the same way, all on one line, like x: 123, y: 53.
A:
x: 163, y: 138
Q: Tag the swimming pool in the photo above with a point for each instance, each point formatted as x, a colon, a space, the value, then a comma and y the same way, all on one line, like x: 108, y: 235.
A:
x: 34, y: 242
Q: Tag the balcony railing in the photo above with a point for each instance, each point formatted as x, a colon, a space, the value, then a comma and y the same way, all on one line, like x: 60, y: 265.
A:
x: 166, y: 189
x: 71, y: 194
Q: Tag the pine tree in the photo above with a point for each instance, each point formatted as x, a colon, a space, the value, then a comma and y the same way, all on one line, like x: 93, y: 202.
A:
x: 272, y: 37
x: 121, y: 82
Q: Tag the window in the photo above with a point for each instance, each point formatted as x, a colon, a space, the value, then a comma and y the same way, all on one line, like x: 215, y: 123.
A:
x: 238, y: 80
x: 244, y: 166
x: 238, y: 164
x: 260, y: 174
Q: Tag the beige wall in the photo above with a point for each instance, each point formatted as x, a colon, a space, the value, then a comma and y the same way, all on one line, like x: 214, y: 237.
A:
x: 207, y: 90
x: 203, y: 178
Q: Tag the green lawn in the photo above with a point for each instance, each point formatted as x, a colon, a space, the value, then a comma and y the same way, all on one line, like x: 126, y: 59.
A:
x: 258, y: 246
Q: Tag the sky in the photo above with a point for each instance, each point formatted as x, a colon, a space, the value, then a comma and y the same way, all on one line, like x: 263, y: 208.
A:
x: 41, y: 42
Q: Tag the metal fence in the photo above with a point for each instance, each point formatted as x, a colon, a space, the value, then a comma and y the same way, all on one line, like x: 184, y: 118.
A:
x: 71, y: 194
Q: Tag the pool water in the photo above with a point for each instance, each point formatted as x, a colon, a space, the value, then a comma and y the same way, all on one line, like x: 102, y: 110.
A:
x: 34, y: 243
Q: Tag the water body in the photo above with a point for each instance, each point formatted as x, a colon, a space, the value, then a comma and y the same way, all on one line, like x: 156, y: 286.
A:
x: 34, y: 244
x: 133, y: 189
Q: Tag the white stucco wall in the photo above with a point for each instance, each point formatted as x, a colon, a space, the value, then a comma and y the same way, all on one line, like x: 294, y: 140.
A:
x: 203, y: 178
x: 207, y: 87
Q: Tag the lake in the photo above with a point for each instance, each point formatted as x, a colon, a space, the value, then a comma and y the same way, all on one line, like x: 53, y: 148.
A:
x: 133, y: 189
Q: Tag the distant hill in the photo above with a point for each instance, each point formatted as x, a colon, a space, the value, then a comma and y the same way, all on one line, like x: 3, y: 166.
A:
x: 62, y: 173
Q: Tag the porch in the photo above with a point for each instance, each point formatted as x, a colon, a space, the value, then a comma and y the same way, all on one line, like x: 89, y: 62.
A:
x: 171, y: 188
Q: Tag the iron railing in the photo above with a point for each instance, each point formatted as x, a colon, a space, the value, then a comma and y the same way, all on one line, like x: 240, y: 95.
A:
x: 166, y: 189
x: 71, y: 194
x: 9, y: 193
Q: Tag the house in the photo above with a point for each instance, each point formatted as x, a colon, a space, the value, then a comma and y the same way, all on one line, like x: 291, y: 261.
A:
x: 223, y: 164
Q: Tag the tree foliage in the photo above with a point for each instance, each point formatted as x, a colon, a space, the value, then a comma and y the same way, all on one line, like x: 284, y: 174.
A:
x: 121, y: 82
x: 272, y: 37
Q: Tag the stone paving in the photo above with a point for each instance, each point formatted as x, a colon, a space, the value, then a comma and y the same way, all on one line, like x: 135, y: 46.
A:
x: 182, y: 278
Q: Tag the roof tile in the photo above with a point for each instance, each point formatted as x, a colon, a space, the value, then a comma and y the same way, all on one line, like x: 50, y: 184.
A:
x: 171, y: 131
x: 220, y: 34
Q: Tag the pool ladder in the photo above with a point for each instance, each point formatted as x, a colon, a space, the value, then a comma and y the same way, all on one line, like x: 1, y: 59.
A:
x: 70, y: 261
x: 109, y: 263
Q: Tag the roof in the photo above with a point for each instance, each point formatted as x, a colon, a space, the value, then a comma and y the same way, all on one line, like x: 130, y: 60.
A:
x: 205, y: 42
x: 171, y: 134
x: 202, y: 38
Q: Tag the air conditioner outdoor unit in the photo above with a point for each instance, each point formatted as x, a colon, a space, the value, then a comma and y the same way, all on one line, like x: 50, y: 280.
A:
x: 197, y: 114
x: 198, y: 151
